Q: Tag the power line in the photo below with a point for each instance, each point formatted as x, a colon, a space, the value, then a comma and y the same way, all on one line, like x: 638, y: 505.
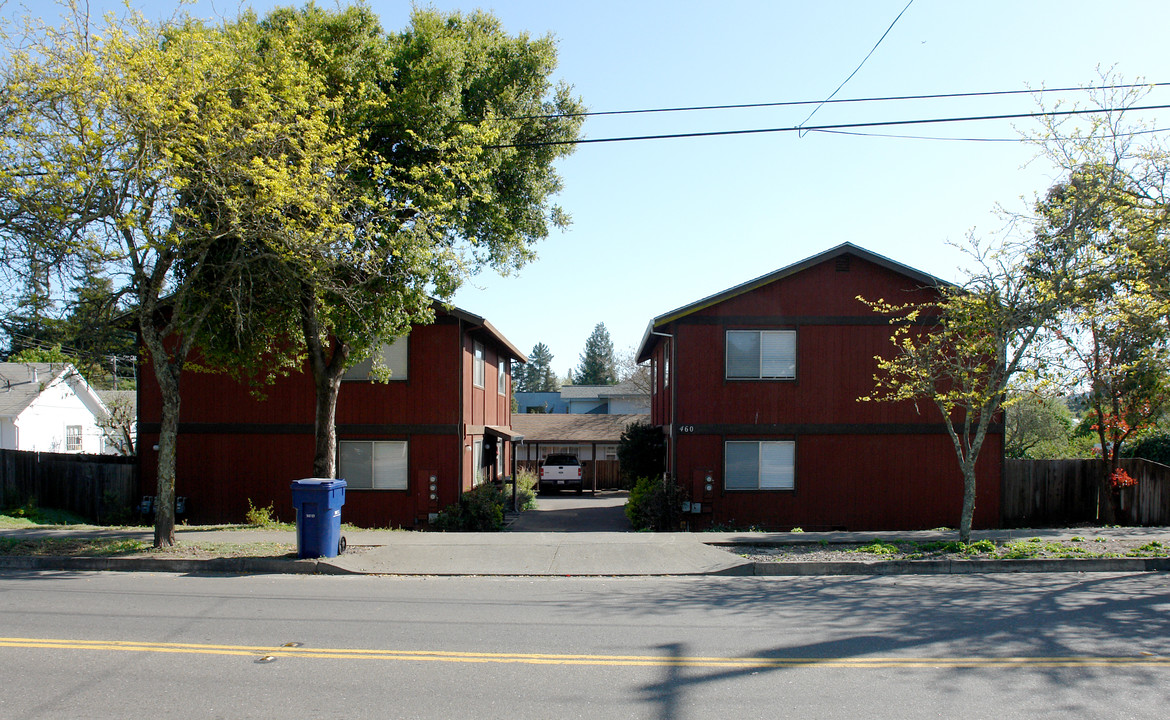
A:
x: 864, y: 60
x: 966, y: 139
x: 834, y: 101
x: 826, y: 128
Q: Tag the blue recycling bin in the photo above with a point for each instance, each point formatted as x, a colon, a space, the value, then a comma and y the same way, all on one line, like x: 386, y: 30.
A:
x: 318, y: 503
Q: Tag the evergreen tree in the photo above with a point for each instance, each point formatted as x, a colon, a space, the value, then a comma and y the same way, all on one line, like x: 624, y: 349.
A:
x: 539, y: 375
x: 598, y: 365
x: 94, y: 337
x: 34, y: 323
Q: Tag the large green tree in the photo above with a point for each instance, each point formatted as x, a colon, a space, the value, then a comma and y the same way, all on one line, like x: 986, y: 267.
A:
x: 539, y: 375
x: 1037, y: 424
x: 447, y: 133
x: 1099, y: 231
x: 598, y: 365
x: 1101, y: 242
x: 116, y: 138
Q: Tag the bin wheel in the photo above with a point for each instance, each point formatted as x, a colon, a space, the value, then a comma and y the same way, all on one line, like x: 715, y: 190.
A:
x: 341, y: 545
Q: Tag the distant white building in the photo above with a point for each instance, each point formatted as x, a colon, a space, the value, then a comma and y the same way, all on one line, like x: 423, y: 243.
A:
x: 49, y: 407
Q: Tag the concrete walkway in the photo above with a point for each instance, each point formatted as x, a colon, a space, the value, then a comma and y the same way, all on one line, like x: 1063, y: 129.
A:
x: 570, y: 553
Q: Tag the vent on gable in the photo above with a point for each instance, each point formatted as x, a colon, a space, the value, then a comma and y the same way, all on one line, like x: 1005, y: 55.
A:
x: 843, y: 263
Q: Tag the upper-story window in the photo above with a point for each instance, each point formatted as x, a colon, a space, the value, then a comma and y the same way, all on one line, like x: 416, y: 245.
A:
x: 502, y: 377
x: 392, y: 356
x: 761, y: 354
x: 478, y: 377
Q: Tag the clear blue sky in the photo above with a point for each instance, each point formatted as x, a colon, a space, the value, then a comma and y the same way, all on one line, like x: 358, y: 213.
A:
x: 659, y: 224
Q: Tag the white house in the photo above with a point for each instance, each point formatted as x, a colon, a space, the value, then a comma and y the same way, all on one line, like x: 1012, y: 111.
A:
x: 49, y: 407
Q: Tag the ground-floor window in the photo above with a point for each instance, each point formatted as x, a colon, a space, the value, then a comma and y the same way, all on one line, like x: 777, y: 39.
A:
x: 477, y: 461
x: 759, y: 465
x: 374, y: 464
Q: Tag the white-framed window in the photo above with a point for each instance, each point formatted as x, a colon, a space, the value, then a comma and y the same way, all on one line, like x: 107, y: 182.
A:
x: 759, y: 465
x: 653, y: 376
x: 478, y: 371
x: 72, y: 438
x: 374, y: 464
x: 761, y: 354
x: 393, y: 356
x: 477, y: 462
x: 502, y: 377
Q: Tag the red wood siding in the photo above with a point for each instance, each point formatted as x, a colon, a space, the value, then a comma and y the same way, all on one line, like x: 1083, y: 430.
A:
x: 859, y: 465
x: 850, y: 482
x: 234, y: 447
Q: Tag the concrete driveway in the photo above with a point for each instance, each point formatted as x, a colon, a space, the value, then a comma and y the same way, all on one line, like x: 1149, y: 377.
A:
x: 569, y: 512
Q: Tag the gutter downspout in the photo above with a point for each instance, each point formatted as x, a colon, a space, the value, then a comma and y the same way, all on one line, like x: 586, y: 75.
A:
x: 673, y: 403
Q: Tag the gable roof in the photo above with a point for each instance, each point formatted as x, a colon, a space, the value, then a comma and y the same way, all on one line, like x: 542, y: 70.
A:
x: 563, y: 428
x: 847, y: 248
x: 480, y: 323
x: 22, y: 383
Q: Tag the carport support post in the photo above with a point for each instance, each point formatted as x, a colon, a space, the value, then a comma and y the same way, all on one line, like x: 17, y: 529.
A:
x: 594, y: 453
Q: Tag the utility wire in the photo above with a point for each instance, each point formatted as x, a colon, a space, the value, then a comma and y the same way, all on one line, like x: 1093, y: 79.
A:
x: 858, y: 68
x: 827, y: 128
x: 833, y: 101
x: 965, y: 139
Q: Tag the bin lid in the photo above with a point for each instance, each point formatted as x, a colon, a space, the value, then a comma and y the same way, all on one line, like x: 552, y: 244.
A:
x: 318, y: 484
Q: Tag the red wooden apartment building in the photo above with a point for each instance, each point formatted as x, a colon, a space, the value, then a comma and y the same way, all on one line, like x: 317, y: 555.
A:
x: 757, y: 388
x: 407, y: 448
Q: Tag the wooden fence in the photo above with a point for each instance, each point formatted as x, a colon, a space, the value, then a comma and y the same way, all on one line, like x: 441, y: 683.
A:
x: 608, y: 472
x: 1039, y: 493
x: 99, y: 488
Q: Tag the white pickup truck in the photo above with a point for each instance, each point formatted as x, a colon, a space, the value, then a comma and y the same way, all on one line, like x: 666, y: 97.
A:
x: 561, y: 471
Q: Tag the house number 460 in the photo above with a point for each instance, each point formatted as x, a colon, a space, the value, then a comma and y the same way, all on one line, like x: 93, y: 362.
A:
x: 686, y: 428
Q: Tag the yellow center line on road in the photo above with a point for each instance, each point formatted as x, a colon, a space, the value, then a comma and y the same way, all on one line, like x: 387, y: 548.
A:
x: 596, y: 660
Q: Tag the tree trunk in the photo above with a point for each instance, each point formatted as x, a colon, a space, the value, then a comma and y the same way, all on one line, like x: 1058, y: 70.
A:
x: 1106, y: 510
x: 327, y: 372
x: 1106, y: 507
x: 166, y: 372
x: 968, y: 515
x: 164, y: 501
x: 324, y: 425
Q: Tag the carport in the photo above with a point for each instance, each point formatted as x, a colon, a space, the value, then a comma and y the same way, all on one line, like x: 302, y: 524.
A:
x: 592, y: 438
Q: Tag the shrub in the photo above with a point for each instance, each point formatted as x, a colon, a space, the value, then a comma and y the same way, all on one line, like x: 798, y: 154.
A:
x: 480, y: 509
x: 878, y: 547
x: 641, y: 452
x: 980, y: 546
x: 655, y: 504
x: 526, y: 486
x: 1154, y: 446
x: 260, y: 517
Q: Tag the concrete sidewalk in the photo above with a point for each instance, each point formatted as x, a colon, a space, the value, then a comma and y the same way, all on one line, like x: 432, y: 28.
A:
x: 571, y: 554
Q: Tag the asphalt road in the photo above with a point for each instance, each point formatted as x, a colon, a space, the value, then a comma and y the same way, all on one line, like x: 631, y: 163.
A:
x: 1006, y: 646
